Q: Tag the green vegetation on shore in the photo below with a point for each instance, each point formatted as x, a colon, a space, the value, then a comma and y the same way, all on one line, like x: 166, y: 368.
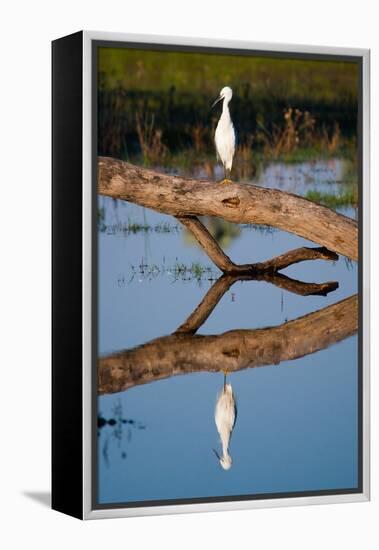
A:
x: 155, y: 107
x: 204, y: 73
x: 346, y: 198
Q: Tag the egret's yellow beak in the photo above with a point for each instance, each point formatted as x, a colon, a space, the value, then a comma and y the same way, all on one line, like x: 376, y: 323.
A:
x: 217, y: 100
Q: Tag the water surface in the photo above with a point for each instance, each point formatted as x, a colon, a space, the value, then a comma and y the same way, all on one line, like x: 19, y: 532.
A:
x: 296, y: 428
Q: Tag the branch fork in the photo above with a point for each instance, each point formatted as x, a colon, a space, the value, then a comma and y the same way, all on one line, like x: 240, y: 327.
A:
x: 227, y: 266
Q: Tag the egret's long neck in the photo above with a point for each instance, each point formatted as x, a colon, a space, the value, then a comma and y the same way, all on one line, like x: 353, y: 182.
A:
x: 225, y: 454
x: 225, y: 109
x: 225, y: 439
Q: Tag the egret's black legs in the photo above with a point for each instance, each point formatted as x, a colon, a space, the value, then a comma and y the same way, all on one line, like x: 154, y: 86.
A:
x: 225, y: 374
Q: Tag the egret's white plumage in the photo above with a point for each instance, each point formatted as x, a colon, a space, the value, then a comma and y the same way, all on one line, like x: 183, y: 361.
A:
x: 225, y: 137
x: 225, y: 418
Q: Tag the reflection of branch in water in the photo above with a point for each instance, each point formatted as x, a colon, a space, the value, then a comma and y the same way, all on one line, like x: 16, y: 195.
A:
x: 225, y: 419
x: 223, y: 284
x: 298, y: 287
x: 231, y: 351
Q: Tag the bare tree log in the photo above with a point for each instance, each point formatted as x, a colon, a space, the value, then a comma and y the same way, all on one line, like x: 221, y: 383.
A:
x: 232, y: 351
x: 238, y: 203
x: 223, y: 284
x: 294, y: 257
x: 210, y: 245
x: 225, y: 264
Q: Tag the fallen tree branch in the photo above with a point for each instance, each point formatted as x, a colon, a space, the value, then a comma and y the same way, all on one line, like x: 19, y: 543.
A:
x: 231, y: 351
x: 225, y: 264
x: 223, y: 284
x: 238, y: 203
x: 210, y: 245
x: 294, y: 257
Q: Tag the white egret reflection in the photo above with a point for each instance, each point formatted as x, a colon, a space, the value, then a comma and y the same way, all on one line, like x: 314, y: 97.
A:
x: 225, y: 418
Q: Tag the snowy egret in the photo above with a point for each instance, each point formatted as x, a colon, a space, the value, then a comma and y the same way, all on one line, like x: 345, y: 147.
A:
x: 225, y: 137
x: 225, y: 418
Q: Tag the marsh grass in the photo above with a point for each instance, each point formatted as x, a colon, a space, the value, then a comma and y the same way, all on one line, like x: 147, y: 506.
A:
x: 132, y: 228
x: 263, y: 229
x: 297, y: 127
x: 297, y: 139
x: 346, y: 198
x: 171, y: 131
x: 331, y: 141
x: 150, y: 139
x: 300, y: 137
x: 179, y: 271
x: 155, y: 105
x: 246, y: 164
x: 224, y: 232
x: 200, y: 137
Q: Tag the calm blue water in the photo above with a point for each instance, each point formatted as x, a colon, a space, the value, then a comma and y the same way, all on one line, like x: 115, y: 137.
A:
x: 297, y: 422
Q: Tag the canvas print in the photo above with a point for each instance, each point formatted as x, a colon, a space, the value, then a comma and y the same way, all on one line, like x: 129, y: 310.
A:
x: 227, y: 275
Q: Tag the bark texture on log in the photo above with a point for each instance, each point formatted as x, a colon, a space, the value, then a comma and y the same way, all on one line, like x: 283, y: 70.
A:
x: 225, y: 264
x: 231, y: 351
x: 235, y: 202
